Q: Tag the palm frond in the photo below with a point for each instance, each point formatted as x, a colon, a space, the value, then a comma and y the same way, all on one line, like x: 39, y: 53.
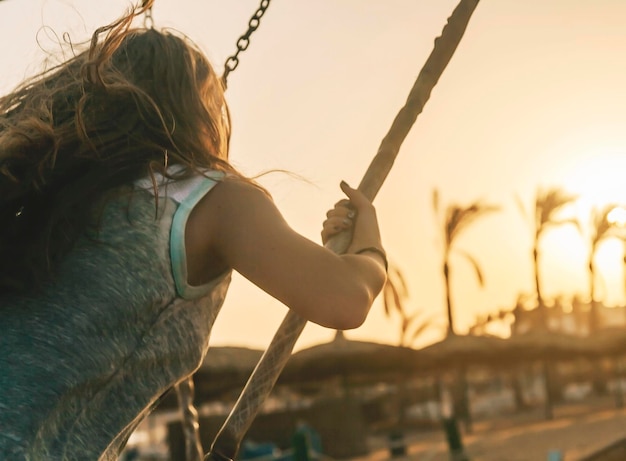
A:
x: 399, y: 280
x: 463, y: 217
x: 436, y: 201
x: 391, y: 298
x: 419, y: 328
x: 395, y: 292
x: 475, y: 265
x: 417, y: 332
x: 520, y: 205
x: 601, y: 226
x: 451, y: 222
x: 549, y: 203
x: 562, y: 222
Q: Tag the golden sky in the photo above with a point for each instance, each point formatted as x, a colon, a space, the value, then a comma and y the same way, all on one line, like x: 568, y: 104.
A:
x: 534, y: 97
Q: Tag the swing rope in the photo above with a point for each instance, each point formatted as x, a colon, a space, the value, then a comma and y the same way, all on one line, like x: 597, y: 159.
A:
x: 226, y: 444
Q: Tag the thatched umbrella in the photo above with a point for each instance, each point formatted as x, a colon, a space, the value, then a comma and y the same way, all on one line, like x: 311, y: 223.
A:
x: 351, y: 360
x: 543, y: 345
x: 606, y: 342
x: 496, y: 352
x: 362, y: 360
x: 463, y: 350
x: 224, y: 369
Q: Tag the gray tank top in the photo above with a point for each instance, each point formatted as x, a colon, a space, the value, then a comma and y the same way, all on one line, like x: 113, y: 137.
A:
x: 83, y: 361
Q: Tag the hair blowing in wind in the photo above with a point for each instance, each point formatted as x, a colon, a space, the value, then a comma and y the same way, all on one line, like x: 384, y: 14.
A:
x: 133, y: 102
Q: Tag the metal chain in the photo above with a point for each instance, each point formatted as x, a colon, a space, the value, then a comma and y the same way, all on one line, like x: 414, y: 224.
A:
x: 148, y: 20
x: 242, y: 43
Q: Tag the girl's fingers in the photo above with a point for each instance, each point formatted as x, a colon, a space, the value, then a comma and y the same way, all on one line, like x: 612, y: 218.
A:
x: 346, y: 212
x: 344, y: 203
x: 341, y: 212
x: 334, y: 226
x: 337, y: 224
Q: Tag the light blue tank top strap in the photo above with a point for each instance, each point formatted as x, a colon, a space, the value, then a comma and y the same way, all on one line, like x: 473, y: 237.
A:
x: 186, y: 193
x: 199, y: 188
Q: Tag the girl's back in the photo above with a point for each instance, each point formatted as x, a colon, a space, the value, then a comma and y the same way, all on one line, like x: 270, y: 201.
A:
x: 89, y: 352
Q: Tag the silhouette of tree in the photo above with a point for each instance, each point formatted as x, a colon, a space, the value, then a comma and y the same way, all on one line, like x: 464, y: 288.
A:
x: 548, y: 205
x: 456, y: 219
x: 618, y: 218
x: 395, y: 295
x: 601, y: 229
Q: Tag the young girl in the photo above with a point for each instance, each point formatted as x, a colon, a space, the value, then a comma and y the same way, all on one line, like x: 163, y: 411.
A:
x: 120, y: 223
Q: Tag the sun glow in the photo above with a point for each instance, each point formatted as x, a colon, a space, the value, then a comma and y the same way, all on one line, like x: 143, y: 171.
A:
x: 599, y: 177
x: 595, y: 174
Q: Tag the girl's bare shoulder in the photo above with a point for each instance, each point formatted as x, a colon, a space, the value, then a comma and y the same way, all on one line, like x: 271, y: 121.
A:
x: 235, y: 200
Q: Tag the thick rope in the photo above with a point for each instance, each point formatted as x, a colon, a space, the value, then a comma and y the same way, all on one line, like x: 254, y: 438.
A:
x: 263, y: 378
x: 190, y: 422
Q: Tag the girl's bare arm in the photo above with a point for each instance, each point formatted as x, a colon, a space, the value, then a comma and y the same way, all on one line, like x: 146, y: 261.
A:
x: 244, y: 230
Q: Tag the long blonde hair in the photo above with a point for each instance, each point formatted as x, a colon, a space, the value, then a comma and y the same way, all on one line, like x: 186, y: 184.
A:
x: 132, y: 102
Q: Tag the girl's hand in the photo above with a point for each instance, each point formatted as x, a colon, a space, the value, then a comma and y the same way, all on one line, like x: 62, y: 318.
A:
x: 340, y: 218
x: 357, y: 214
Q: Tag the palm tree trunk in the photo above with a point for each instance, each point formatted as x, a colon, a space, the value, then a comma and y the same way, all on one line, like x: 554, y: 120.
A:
x: 540, y: 303
x: 548, y: 404
x: 619, y: 376
x: 548, y: 385
x: 593, y: 312
x: 599, y: 380
x: 446, y: 277
x: 516, y: 381
x: 464, y: 410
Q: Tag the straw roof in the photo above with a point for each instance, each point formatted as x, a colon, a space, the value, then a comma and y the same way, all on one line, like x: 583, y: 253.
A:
x: 349, y: 359
x: 369, y: 360
x: 226, y: 369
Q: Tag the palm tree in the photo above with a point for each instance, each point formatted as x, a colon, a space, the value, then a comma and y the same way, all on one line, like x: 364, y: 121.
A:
x: 456, y: 219
x: 549, y: 204
x: 618, y: 218
x: 602, y: 227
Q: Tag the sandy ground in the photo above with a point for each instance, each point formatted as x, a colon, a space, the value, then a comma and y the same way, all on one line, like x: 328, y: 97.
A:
x: 576, y: 431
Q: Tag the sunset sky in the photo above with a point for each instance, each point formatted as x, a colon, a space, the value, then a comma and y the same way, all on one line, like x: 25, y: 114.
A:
x: 535, y: 96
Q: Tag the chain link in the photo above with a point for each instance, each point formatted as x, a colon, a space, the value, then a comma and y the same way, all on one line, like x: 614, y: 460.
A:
x: 148, y: 20
x: 244, y: 41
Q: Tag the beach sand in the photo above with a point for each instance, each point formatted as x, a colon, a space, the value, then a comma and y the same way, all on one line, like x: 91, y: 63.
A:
x: 577, y: 430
